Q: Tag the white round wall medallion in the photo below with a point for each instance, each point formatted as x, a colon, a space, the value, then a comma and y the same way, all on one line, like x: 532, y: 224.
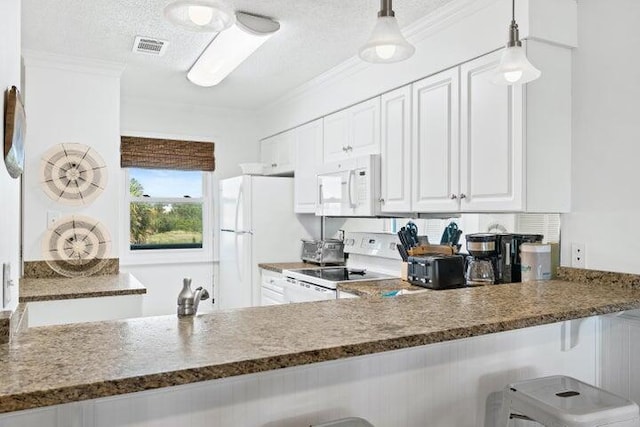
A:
x: 76, y: 245
x: 73, y: 174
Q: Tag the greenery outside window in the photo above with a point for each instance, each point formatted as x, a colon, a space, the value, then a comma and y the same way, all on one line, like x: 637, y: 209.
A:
x: 166, y: 209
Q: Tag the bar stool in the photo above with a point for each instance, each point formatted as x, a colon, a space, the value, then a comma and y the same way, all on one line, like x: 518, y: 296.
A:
x: 561, y: 401
x: 346, y: 422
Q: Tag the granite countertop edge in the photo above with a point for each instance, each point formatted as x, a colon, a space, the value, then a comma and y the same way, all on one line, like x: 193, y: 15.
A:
x: 392, y: 327
x: 55, y: 396
x: 82, y: 294
x: 64, y: 288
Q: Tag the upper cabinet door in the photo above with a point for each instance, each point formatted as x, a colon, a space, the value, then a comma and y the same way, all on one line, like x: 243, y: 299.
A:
x: 396, y: 150
x: 492, y: 141
x: 285, y: 152
x: 278, y: 153
x: 365, y: 128
x: 436, y: 142
x: 268, y: 154
x: 308, y: 157
x: 352, y: 132
x: 336, y: 136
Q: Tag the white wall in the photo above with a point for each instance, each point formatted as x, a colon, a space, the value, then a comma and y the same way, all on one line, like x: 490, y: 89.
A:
x: 10, y: 188
x: 606, y: 137
x: 235, y: 135
x: 68, y: 100
x: 233, y: 131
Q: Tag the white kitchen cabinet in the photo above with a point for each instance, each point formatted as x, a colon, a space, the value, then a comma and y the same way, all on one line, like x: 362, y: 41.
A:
x: 308, y: 157
x: 352, y: 132
x: 396, y: 151
x: 271, y: 290
x: 278, y: 153
x: 515, y: 141
x: 492, y: 144
x: 480, y: 147
x: 435, y: 143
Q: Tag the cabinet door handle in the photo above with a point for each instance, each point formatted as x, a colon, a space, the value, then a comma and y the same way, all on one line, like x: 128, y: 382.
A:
x: 381, y: 201
x: 273, y: 165
x: 344, y: 149
x: 349, y: 148
x: 463, y: 196
x: 453, y: 196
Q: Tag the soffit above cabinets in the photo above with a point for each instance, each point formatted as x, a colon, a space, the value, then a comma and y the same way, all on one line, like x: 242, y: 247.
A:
x: 315, y: 36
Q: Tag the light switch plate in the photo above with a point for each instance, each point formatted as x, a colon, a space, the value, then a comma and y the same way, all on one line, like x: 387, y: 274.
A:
x: 6, y: 283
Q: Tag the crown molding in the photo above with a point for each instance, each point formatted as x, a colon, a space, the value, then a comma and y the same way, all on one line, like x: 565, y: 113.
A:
x: 34, y: 58
x: 440, y: 18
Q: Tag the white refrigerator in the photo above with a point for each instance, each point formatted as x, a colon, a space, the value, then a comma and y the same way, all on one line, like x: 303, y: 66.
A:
x: 257, y: 225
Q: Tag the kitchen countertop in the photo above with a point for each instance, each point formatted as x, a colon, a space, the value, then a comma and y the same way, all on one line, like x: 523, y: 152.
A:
x: 279, y: 267
x: 376, y: 288
x: 59, y: 288
x: 46, y: 366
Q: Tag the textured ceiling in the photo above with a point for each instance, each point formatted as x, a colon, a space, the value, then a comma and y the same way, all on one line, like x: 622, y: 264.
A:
x: 315, y: 36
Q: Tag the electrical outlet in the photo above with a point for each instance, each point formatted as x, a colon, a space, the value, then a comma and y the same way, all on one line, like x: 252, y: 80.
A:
x: 578, y: 255
x: 6, y: 283
x: 52, y: 217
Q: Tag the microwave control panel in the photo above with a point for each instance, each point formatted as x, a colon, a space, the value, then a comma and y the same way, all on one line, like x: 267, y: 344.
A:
x: 362, y: 186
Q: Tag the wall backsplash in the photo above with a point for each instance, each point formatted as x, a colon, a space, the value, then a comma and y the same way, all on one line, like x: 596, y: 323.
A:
x: 545, y: 224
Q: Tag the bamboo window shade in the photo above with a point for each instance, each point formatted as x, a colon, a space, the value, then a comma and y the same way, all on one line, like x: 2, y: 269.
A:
x: 153, y: 153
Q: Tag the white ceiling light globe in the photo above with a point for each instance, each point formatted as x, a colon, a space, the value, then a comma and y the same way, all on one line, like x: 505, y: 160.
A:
x: 515, y: 68
x: 200, y: 15
x: 386, y: 44
x: 386, y: 51
x: 204, y: 16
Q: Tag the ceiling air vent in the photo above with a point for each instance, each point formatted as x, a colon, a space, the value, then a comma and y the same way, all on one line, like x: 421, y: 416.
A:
x: 149, y: 46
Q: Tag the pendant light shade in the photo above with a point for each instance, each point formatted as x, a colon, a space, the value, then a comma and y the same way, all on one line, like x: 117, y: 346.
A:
x: 386, y: 44
x: 204, y: 16
x: 514, y: 68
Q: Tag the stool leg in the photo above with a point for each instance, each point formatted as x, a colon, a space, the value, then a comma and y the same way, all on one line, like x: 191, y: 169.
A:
x: 505, y: 411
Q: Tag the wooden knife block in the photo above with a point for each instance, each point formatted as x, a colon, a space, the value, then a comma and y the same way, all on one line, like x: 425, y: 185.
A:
x: 432, y: 249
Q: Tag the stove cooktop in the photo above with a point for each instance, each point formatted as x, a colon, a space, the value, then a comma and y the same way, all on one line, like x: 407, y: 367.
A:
x: 331, y: 276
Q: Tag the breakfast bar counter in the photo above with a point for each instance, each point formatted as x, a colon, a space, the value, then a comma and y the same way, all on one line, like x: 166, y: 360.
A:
x: 62, y: 288
x: 45, y: 366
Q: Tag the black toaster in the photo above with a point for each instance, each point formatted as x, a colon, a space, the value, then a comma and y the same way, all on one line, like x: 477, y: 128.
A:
x: 436, y: 271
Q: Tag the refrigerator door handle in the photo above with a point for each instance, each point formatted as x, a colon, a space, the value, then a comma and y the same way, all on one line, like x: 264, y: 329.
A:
x: 238, y: 255
x: 238, y: 201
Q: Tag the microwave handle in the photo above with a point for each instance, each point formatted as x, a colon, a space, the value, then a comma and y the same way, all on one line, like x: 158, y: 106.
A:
x: 319, y: 194
x: 352, y: 174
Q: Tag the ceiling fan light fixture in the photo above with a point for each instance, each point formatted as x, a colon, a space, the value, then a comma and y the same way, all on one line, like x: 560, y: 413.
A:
x: 230, y: 48
x: 514, y: 67
x: 205, y: 16
x: 386, y: 43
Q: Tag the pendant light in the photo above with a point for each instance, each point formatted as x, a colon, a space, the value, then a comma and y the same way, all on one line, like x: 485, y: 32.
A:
x: 204, y: 16
x: 514, y: 68
x: 386, y: 44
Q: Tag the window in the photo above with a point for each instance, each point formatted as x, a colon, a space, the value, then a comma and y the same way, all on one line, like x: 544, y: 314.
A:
x: 166, y: 209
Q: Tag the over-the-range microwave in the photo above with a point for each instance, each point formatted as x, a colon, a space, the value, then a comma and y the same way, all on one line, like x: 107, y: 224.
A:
x: 349, y: 187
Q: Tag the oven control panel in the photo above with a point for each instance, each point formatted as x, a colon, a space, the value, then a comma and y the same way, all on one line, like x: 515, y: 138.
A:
x: 372, y: 244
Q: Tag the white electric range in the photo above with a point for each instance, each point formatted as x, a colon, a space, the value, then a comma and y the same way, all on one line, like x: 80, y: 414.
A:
x: 372, y: 256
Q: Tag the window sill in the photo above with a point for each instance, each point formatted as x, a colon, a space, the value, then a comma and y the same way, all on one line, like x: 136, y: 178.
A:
x: 168, y: 256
